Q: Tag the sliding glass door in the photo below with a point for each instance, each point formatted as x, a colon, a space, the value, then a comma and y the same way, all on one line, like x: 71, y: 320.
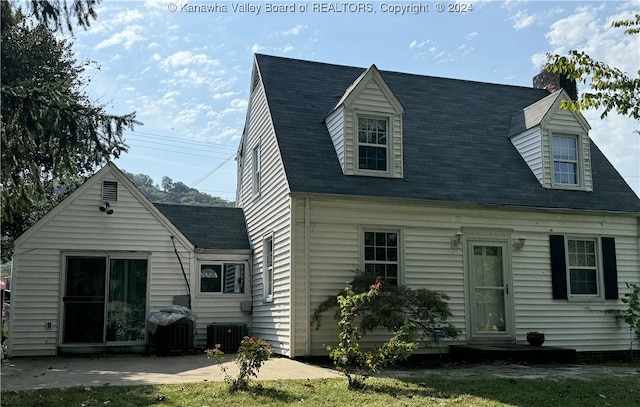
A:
x: 105, y: 300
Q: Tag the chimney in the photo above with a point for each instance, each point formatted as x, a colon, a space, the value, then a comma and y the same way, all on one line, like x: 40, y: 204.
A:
x: 554, y: 81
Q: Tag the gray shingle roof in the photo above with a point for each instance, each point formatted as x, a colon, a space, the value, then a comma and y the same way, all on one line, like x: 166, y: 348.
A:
x: 533, y: 114
x: 209, y: 227
x: 455, y: 134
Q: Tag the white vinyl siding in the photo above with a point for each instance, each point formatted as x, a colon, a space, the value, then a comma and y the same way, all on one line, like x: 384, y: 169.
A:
x: 333, y: 228
x: 562, y: 123
x: 268, y: 215
x: 78, y: 226
x: 529, y: 145
x: 81, y: 227
x: 368, y: 96
x: 335, y: 126
x: 372, y: 102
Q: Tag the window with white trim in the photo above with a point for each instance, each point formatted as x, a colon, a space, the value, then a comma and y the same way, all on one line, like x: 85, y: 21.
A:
x: 565, y: 160
x: 381, y: 255
x: 583, y: 267
x: 255, y: 170
x: 227, y: 278
x: 373, y: 143
x: 268, y: 267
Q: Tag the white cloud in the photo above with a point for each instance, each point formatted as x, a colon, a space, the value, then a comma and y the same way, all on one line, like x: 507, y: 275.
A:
x: 416, y: 45
x: 239, y: 103
x: 523, y: 20
x: 538, y: 60
x: 187, y: 58
x: 256, y: 48
x: 127, y: 16
x: 472, y: 35
x: 153, y: 45
x: 287, y: 48
x: 126, y: 37
x: 295, y: 30
x: 223, y: 95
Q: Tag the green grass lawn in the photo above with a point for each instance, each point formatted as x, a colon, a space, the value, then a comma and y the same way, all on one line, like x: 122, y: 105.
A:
x: 383, y: 392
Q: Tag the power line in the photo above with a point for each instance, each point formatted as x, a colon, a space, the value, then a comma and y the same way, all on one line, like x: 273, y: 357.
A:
x: 211, y: 172
x: 174, y: 151
x: 180, y: 140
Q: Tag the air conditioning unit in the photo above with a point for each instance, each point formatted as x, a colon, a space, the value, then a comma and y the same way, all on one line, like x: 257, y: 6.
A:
x: 227, y: 336
x: 175, y: 337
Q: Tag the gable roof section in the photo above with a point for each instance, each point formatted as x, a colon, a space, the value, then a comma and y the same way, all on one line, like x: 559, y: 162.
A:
x: 109, y: 169
x: 354, y: 90
x: 534, y: 114
x: 456, y: 141
x: 209, y: 227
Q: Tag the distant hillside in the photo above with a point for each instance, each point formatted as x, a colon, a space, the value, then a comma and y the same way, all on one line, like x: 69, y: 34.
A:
x: 174, y: 192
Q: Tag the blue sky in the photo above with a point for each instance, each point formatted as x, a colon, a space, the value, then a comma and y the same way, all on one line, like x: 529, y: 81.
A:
x: 186, y: 72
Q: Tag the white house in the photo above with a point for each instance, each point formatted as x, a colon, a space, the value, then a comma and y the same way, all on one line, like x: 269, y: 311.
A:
x: 489, y: 193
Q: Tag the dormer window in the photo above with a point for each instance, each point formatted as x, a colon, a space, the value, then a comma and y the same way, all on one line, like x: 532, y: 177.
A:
x: 365, y: 127
x: 554, y: 143
x: 372, y: 143
x: 565, y: 160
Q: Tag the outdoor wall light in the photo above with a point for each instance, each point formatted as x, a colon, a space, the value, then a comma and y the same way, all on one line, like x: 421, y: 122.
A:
x: 106, y: 208
x: 456, y: 242
x: 518, y: 242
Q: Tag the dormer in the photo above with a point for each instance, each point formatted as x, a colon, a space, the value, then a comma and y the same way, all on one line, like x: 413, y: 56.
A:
x: 554, y: 142
x: 366, y: 128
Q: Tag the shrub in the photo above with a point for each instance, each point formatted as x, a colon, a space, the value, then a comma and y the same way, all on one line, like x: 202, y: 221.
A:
x: 393, y: 307
x: 252, y: 354
x: 631, y: 314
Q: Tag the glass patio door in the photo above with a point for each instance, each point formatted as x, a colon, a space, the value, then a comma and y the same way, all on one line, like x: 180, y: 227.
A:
x: 105, y: 304
x: 126, y: 308
x: 83, y: 300
x: 490, y: 314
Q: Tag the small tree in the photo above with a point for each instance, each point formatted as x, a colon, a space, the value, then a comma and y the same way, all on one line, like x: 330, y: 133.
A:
x: 407, y: 313
x: 348, y: 356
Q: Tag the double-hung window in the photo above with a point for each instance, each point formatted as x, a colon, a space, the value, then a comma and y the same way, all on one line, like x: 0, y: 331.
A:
x: 583, y: 268
x: 565, y: 160
x: 268, y: 268
x: 227, y: 278
x: 381, y: 257
x: 373, y: 144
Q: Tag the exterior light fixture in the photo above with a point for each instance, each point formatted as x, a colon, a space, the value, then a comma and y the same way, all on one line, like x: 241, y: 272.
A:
x: 456, y: 242
x: 105, y: 207
x: 518, y: 242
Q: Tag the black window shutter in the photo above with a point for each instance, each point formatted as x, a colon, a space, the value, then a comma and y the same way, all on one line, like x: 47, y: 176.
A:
x: 609, y: 268
x: 558, y: 267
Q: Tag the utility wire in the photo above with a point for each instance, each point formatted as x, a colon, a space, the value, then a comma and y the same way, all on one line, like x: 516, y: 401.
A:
x: 207, y: 175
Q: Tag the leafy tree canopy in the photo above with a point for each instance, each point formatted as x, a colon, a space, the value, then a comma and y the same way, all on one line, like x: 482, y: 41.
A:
x: 609, y: 87
x: 174, y: 192
x: 53, y: 135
